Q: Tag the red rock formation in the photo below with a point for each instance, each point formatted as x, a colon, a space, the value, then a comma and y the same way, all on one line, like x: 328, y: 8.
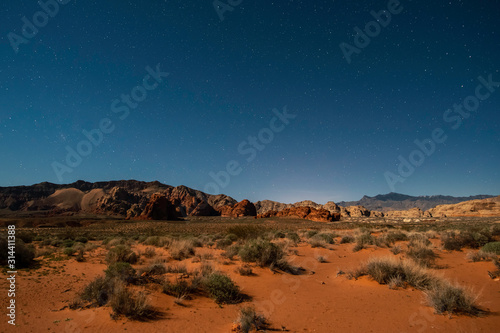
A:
x: 308, y: 213
x: 158, y: 208
x: 242, y: 208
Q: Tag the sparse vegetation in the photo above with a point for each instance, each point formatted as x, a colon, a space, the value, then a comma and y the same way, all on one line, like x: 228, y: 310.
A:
x: 222, y: 289
x: 249, y: 319
x: 121, y: 253
x: 443, y: 296
x: 493, y: 247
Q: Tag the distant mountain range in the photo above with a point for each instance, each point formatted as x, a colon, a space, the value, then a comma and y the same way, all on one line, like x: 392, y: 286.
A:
x: 136, y: 200
x: 397, y: 201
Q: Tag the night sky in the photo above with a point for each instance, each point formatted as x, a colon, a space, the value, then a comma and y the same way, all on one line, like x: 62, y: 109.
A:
x: 346, y: 127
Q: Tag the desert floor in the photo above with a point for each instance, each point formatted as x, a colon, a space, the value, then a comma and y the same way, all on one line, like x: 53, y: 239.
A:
x: 323, y: 297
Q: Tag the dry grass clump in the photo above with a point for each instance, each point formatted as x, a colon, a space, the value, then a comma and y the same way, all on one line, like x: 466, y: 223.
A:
x: 321, y: 259
x: 455, y: 241
x: 150, y: 252
x: 249, y: 320
x: 154, y: 269
x: 493, y: 247
x: 389, y: 238
x: 480, y: 255
x: 347, y: 239
x: 441, y: 294
x: 157, y: 241
x: 363, y: 239
x: 321, y: 240
x: 121, y: 253
x: 420, y: 252
x: 245, y: 270
x: 396, y: 250
x: 133, y: 305
x: 181, y: 249
x: 265, y: 254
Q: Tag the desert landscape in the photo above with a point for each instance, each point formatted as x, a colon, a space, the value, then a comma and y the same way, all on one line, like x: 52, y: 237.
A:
x: 138, y: 256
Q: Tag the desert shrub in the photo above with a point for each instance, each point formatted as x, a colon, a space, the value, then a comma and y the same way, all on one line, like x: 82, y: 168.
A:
x: 396, y: 282
x: 249, y: 320
x: 98, y: 291
x: 130, y: 304
x: 358, y: 247
x: 293, y: 236
x: 262, y: 252
x: 479, y: 256
x: 24, y: 254
x: 80, y: 256
x: 122, y: 271
x: 56, y: 242
x: 392, y: 237
x: 110, y: 242
x: 156, y: 241
x: 321, y: 259
x: 492, y: 247
x: 149, y: 252
x: 69, y: 251
x: 181, y: 249
x: 279, y: 234
x: 222, y: 289
x: 81, y: 239
x: 317, y: 242
x: 445, y: 297
x: 180, y: 289
x: 121, y: 253
x: 223, y: 243
x: 46, y: 241
x: 421, y: 253
x: 244, y: 270
x: 495, y: 230
x: 383, y: 270
x: 154, y: 269
x: 396, y: 249
x: 456, y: 241
x: 365, y: 239
x: 231, y: 251
x: 311, y: 233
x: 68, y: 243
x: 347, y: 239
x: 176, y: 269
x: 327, y: 237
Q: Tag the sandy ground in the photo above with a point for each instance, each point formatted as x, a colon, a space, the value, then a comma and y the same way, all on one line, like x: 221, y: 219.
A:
x: 317, y: 301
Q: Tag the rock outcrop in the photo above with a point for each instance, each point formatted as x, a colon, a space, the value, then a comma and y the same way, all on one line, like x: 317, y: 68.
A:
x: 479, y: 208
x: 242, y: 208
x: 159, y: 208
x: 414, y: 212
x: 308, y: 213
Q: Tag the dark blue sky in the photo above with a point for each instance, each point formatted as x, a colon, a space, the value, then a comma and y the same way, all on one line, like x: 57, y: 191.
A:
x: 353, y: 120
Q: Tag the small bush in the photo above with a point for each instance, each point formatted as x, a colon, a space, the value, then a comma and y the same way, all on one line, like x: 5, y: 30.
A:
x: 421, y: 254
x: 265, y: 254
x: 98, y: 291
x: 392, y: 237
x: 249, y: 319
x: 245, y: 270
x: 231, y: 251
x: 493, y: 247
x: 223, y: 243
x: 132, y: 305
x: 81, y: 239
x: 121, y: 253
x: 69, y: 251
x: 347, y: 239
x: 122, y: 271
x: 26, y: 236
x: 293, y: 236
x: 311, y: 233
x: 222, y: 289
x: 445, y: 297
x: 80, y: 257
x: 480, y: 256
x: 149, y: 252
x: 154, y: 269
x: 181, y: 249
x: 321, y: 259
x: 180, y: 289
x: 396, y: 249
